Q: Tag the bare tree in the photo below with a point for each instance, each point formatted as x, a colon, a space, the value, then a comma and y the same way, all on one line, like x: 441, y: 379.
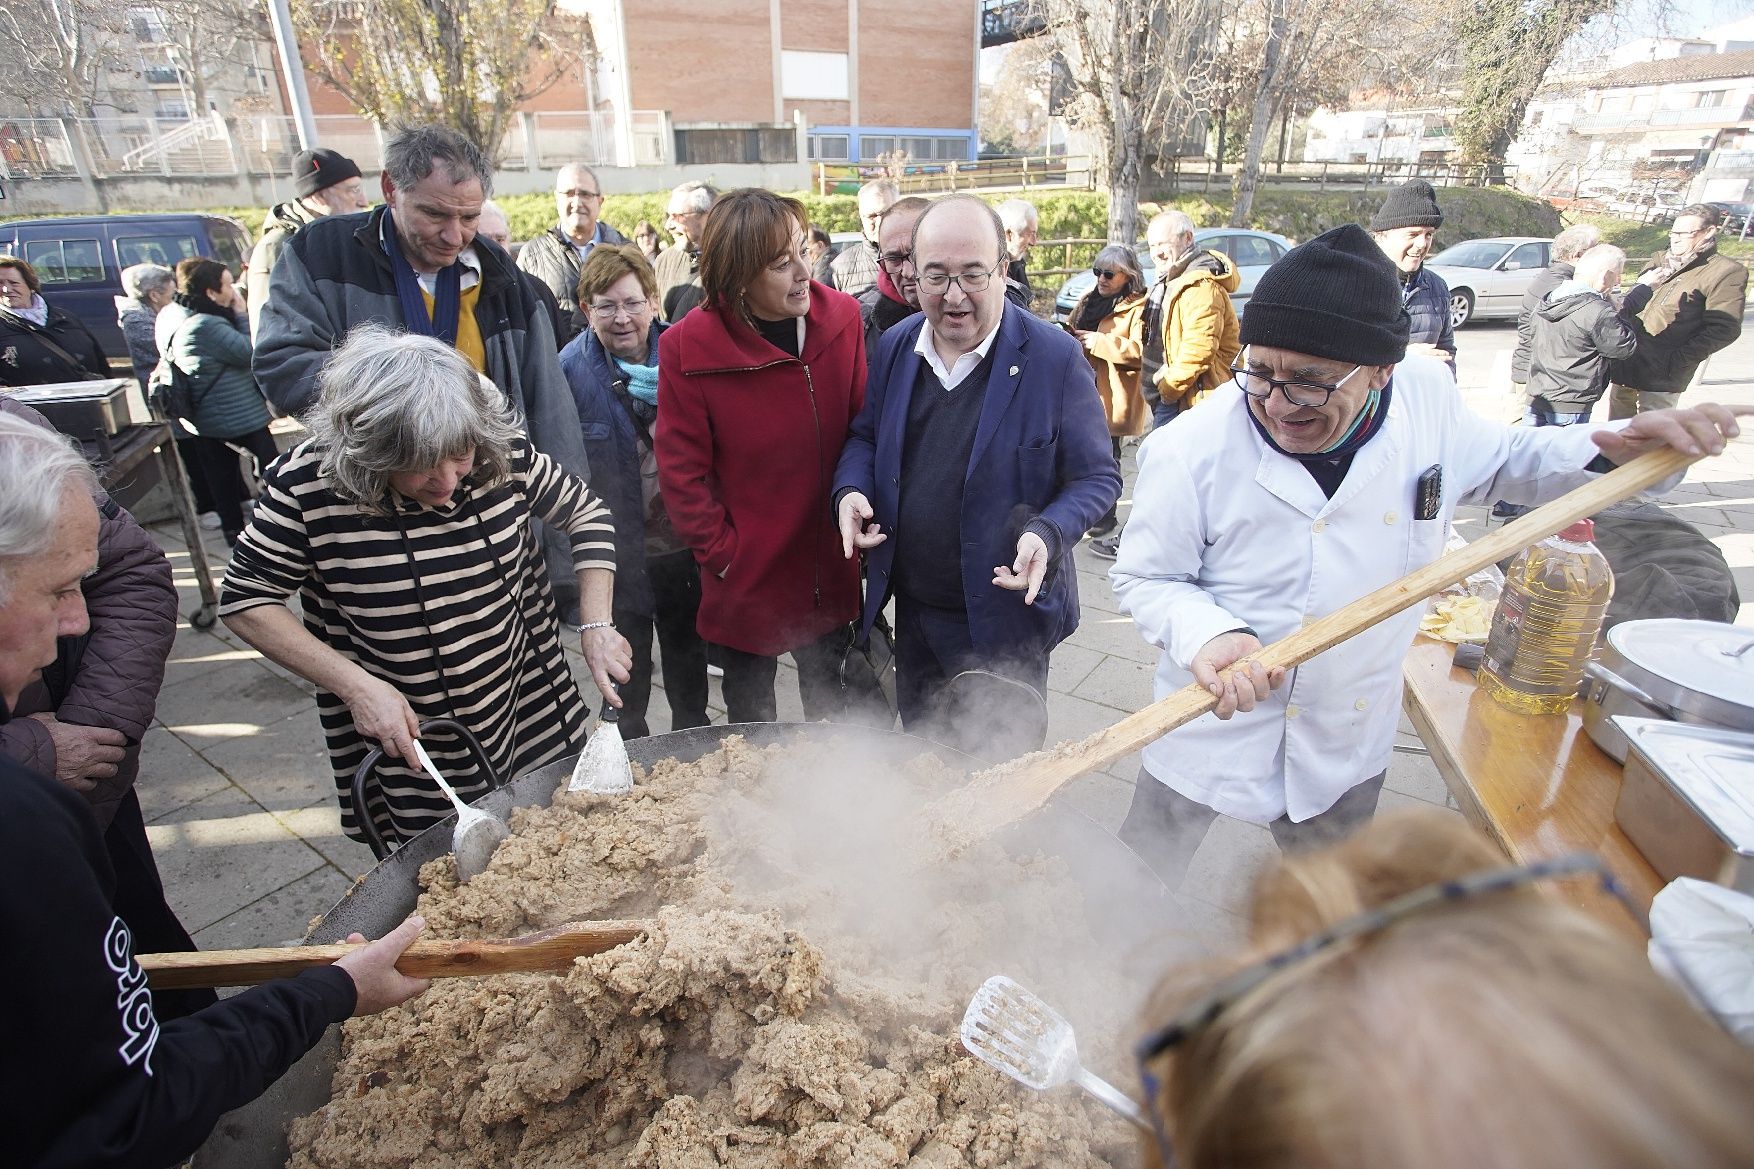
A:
x: 469, y: 64
x: 1138, y: 71
x: 1314, y: 49
x: 212, y: 39
x: 54, y: 54
x: 1014, y: 108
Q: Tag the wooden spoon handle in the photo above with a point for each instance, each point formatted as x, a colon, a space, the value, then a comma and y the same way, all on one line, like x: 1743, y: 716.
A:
x: 552, y: 949
x: 999, y: 795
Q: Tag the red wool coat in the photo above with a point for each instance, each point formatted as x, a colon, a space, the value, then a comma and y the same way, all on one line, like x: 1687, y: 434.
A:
x: 747, y: 441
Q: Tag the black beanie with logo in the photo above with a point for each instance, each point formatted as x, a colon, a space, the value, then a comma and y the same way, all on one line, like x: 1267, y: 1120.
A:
x: 320, y: 169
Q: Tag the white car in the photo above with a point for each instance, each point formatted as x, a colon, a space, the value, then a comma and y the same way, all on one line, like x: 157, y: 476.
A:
x: 1253, y: 252
x: 1487, y: 277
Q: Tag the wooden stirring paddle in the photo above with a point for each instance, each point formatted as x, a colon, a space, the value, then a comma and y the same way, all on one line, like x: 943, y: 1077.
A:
x: 1004, y: 794
x: 550, y: 949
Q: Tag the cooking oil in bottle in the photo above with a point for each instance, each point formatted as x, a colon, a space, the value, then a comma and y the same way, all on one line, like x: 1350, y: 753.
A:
x: 1548, y: 618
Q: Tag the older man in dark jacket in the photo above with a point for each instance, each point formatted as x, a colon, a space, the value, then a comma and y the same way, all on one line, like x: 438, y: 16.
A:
x: 1568, y: 245
x: 1405, y: 228
x: 1695, y: 310
x: 555, y: 256
x: 1577, y: 332
x: 416, y: 263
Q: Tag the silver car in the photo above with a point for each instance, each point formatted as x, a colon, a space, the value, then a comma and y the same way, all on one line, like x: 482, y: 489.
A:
x: 1487, y: 277
x: 1253, y: 252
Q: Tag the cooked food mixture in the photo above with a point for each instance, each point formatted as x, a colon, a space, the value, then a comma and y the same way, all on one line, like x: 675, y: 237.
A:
x: 795, y: 1003
x: 1457, y: 619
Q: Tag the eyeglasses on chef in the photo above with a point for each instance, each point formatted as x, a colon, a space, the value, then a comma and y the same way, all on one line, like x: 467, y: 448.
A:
x: 1298, y: 392
x: 938, y: 283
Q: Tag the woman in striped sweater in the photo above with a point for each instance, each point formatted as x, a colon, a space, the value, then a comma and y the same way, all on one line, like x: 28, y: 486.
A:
x: 403, y: 524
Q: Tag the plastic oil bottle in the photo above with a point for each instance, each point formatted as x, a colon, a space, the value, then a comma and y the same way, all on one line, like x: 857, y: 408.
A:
x: 1548, y: 619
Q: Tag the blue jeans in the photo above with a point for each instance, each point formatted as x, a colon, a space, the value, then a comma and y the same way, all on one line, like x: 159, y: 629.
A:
x: 1162, y: 412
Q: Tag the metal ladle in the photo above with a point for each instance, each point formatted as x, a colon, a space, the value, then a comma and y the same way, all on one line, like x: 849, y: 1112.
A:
x: 477, y: 833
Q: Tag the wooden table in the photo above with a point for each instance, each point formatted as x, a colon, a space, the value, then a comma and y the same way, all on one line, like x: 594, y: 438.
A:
x: 1536, y: 784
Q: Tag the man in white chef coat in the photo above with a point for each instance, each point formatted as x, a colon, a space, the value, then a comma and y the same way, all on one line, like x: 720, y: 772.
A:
x: 1331, y: 468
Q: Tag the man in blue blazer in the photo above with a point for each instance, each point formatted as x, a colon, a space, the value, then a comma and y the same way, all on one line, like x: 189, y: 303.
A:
x: 979, y: 460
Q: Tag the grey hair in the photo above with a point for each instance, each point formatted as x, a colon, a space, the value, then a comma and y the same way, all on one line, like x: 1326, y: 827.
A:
x: 489, y: 207
x: 1597, y: 262
x: 1018, y: 214
x: 413, y: 151
x: 957, y: 198
x: 37, y: 465
x: 141, y: 280
x: 1574, y: 241
x: 699, y: 195
x: 1124, y: 260
x: 577, y: 166
x: 1180, y: 223
x: 888, y: 188
x: 392, y: 402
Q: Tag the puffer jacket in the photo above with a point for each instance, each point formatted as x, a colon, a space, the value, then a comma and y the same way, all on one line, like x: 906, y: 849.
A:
x: 1425, y: 296
x: 551, y: 258
x: 214, y: 351
x: 120, y: 665
x: 1577, y: 333
x: 283, y: 221
x: 1201, y: 336
x: 1113, y: 350
x: 27, y: 360
x: 1534, y: 298
x: 612, y: 446
x: 136, y: 321
x: 1691, y: 315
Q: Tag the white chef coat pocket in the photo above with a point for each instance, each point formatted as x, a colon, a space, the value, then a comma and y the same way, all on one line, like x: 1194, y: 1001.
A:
x: 1425, y: 540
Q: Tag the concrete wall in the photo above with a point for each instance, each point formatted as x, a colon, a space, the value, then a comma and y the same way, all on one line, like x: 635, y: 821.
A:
x: 72, y: 196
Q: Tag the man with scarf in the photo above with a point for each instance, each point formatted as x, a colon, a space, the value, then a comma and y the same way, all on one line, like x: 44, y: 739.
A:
x: 416, y: 263
x: 612, y: 368
x: 1331, y: 468
x: 895, y: 297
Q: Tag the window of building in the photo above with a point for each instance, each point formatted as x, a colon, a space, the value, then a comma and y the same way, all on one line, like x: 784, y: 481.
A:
x: 871, y: 145
x: 147, y: 25
x: 737, y: 144
x: 829, y: 147
x: 172, y: 109
x: 72, y: 261
x: 813, y: 76
x: 1710, y: 99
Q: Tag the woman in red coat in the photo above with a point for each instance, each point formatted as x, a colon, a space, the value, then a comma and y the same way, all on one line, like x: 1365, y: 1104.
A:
x: 756, y: 389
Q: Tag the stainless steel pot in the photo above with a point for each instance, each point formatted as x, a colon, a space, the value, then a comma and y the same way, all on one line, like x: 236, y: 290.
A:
x: 1699, y: 672
x: 1687, y: 801
x: 1107, y: 871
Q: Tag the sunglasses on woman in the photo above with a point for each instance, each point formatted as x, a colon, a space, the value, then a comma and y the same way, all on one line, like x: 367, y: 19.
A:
x: 1104, y: 273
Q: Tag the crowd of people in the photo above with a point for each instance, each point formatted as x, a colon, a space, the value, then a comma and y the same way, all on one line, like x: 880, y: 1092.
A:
x: 738, y: 447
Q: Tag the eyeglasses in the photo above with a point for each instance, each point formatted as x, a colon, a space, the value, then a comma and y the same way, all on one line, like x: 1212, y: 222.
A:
x: 1103, y: 273
x: 938, y: 283
x: 1236, y: 987
x: 1673, y: 234
x: 894, y: 260
x: 583, y: 194
x: 608, y: 312
x: 1299, y: 393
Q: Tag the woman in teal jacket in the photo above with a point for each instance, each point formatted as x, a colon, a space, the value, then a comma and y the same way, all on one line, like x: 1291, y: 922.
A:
x: 205, y: 332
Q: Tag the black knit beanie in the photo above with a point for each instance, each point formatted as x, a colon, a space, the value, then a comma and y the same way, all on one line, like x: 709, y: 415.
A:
x: 317, y: 170
x: 1336, y: 296
x: 1412, y: 204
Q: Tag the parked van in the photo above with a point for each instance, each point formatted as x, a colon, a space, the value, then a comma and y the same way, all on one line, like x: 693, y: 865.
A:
x: 80, y: 258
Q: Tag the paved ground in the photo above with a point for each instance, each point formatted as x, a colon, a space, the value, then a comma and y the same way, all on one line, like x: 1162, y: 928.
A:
x: 242, y: 812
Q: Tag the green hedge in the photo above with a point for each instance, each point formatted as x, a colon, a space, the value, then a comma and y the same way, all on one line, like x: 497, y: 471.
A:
x: 1469, y: 213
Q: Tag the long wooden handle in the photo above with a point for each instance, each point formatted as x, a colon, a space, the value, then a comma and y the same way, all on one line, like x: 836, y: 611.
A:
x: 552, y: 949
x: 1000, y: 795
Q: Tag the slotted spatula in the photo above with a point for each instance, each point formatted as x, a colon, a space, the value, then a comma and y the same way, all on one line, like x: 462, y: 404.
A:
x: 1014, y: 1031
x: 477, y: 833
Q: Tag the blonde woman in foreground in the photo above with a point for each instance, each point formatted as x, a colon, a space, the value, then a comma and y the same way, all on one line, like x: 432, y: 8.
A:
x: 1479, y: 1023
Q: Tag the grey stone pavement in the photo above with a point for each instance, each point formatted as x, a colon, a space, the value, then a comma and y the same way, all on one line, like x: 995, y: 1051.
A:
x: 241, y: 807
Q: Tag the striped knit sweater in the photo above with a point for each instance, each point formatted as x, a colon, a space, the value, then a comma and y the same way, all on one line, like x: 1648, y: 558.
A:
x: 450, y: 605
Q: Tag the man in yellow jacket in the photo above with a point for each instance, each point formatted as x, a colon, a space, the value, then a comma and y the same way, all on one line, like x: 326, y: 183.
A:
x: 1189, y: 329
x: 1190, y: 326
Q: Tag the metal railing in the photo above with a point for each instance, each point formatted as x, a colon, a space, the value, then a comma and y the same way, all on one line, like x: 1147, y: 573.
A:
x: 35, y: 148
x: 1342, y: 175
x: 930, y: 175
x: 190, y: 134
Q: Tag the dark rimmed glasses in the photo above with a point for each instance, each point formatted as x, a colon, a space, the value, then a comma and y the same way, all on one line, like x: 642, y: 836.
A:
x: 1298, y: 392
x: 1104, y: 273
x: 938, y: 283
x: 1233, y: 989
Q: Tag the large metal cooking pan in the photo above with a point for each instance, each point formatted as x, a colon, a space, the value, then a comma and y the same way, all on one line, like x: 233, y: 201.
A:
x: 1109, y: 874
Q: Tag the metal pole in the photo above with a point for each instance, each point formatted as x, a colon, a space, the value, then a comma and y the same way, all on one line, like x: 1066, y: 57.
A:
x: 292, y: 65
